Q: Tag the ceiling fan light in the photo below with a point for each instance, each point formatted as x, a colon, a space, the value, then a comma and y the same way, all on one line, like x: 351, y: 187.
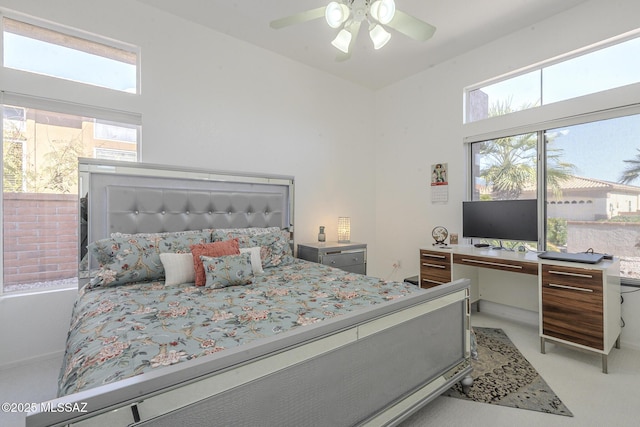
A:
x: 342, y: 40
x: 336, y: 14
x: 379, y: 36
x: 383, y: 11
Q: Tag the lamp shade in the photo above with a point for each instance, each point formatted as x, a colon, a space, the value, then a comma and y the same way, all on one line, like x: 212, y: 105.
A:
x: 344, y: 229
x: 383, y: 11
x: 336, y: 14
x: 342, y: 40
x: 379, y: 36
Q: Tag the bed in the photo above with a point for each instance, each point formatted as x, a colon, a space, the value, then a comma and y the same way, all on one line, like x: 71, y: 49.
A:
x: 252, y: 336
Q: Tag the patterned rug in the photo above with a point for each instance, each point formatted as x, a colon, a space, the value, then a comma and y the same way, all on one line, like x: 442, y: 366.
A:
x: 502, y: 376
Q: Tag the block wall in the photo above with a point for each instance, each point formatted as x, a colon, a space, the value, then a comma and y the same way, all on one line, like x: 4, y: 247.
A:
x: 40, y: 237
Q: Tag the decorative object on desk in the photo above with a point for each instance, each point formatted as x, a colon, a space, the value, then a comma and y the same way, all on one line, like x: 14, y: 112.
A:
x: 453, y: 238
x: 502, y: 376
x: 439, y: 234
x: 321, y: 236
x: 344, y: 229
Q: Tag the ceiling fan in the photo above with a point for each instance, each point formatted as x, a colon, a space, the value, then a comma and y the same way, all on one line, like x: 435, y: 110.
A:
x: 349, y: 15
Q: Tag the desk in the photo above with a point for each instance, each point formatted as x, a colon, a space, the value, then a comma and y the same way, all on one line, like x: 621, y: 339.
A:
x: 577, y: 304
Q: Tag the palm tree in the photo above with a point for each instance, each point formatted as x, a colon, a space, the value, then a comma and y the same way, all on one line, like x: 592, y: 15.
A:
x: 511, y: 162
x: 632, y: 172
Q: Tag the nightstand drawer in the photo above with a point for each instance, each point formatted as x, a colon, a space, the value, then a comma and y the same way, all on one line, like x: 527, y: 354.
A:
x: 343, y: 259
x: 351, y: 257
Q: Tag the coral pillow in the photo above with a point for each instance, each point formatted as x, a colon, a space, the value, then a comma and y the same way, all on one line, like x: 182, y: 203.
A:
x: 215, y: 249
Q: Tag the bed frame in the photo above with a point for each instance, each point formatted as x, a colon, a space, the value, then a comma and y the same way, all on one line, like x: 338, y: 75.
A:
x: 371, y: 367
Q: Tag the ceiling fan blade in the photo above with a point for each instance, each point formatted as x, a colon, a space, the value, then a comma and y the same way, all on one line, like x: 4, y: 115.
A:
x: 354, y: 29
x: 298, y: 18
x: 411, y: 26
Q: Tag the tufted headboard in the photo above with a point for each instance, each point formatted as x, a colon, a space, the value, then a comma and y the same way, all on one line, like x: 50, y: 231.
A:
x: 133, y: 198
x: 134, y: 209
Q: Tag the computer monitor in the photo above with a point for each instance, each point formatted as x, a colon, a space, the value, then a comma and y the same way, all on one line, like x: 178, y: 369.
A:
x: 501, y: 219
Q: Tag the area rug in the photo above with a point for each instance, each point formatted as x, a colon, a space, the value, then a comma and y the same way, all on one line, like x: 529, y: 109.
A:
x: 502, y: 376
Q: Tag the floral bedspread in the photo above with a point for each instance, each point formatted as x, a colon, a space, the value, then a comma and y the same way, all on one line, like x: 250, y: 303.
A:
x: 121, y: 331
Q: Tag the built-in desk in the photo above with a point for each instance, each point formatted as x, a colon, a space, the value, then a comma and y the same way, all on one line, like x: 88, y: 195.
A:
x: 577, y: 304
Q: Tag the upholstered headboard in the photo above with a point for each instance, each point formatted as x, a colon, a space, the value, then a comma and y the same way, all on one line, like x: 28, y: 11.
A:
x: 132, y: 198
x: 134, y: 209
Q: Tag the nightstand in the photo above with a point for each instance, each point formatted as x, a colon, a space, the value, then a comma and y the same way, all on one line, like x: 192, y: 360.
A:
x: 351, y: 257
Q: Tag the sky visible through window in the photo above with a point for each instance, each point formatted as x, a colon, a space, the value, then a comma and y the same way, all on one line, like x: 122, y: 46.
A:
x: 598, y: 150
x: 611, y: 67
x: 24, y: 53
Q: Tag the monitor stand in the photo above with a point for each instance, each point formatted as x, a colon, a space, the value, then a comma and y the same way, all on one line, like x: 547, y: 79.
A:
x: 501, y: 248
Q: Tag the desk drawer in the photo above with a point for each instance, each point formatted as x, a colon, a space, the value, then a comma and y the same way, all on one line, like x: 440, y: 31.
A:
x: 435, y: 268
x: 497, y: 263
x: 572, y: 305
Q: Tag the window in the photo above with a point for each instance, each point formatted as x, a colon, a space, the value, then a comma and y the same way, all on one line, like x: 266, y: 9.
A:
x: 40, y: 192
x: 44, y: 133
x: 587, y: 178
x: 592, y: 180
x: 67, y: 55
x: 608, y: 178
x: 609, y: 67
x: 104, y: 129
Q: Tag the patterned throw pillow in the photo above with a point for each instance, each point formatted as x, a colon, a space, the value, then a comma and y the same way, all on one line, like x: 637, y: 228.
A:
x: 231, y: 270
x: 215, y: 249
x: 135, y: 258
x: 274, y: 246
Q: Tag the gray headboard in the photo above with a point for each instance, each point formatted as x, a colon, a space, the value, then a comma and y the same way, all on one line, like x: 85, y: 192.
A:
x: 144, y: 198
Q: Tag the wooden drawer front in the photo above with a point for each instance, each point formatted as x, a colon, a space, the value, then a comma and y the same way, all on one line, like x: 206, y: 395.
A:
x: 343, y: 259
x: 435, y: 268
x: 497, y: 263
x: 572, y: 305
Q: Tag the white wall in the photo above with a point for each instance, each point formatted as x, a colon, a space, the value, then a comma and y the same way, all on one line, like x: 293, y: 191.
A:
x: 209, y: 101
x: 420, y: 123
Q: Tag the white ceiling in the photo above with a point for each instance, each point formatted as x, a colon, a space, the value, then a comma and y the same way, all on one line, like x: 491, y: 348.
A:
x: 462, y: 25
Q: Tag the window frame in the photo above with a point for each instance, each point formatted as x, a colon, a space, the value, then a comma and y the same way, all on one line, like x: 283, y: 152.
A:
x: 63, y: 107
x: 49, y: 93
x: 539, y: 66
x: 80, y: 37
x: 607, y: 104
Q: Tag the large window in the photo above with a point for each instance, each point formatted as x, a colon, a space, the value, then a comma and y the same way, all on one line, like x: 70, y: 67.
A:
x: 584, y: 169
x: 44, y: 133
x: 40, y: 192
x: 592, y: 184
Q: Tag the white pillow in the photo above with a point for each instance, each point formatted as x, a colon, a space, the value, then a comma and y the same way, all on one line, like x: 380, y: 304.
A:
x: 178, y: 268
x: 256, y: 261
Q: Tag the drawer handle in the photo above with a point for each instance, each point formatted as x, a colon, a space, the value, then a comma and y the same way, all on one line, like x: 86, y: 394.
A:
x: 434, y: 256
x: 433, y: 265
x: 573, y: 288
x: 433, y: 281
x: 497, y: 264
x: 566, y: 273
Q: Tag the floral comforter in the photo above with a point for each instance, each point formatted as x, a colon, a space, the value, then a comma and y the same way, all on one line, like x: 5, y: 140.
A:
x: 121, y: 331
